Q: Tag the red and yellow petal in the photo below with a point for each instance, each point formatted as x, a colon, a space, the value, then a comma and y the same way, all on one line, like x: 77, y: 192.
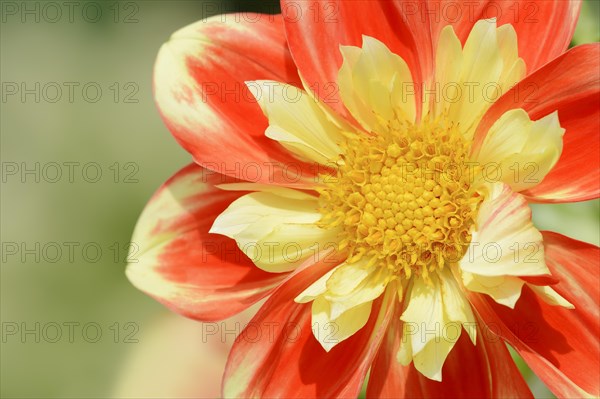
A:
x: 200, y: 90
x: 411, y: 29
x: 570, y: 85
x: 560, y: 345
x: 199, y: 275
x: 544, y: 28
x: 317, y: 29
x: 277, y: 355
x: 482, y: 371
x: 503, y: 225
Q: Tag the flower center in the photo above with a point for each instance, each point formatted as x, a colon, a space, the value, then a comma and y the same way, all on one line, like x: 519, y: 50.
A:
x: 403, y: 198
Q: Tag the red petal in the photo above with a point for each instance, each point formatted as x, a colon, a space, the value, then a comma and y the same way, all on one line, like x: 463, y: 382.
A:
x: 200, y: 91
x: 277, y: 355
x: 560, y: 345
x: 575, y: 265
x: 316, y: 29
x: 571, y: 85
x: 200, y: 275
x: 482, y: 371
x: 546, y: 279
x: 544, y: 28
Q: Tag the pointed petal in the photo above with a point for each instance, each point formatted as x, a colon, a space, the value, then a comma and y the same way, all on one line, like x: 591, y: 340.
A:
x: 200, y: 275
x: 199, y: 89
x: 488, y: 65
x: 482, y: 371
x: 570, y: 85
x: 433, y: 321
x: 448, y: 69
x: 330, y: 332
x: 548, y: 295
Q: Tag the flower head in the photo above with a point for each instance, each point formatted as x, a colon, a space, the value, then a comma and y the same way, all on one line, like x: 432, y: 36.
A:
x: 404, y: 232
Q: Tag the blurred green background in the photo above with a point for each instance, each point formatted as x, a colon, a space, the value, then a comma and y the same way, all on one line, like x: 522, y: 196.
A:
x: 120, y: 135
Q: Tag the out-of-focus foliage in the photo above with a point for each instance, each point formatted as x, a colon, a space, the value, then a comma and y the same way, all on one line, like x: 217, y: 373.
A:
x: 588, y: 29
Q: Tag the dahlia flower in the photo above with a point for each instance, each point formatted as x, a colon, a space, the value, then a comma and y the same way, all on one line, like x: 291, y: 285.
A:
x: 368, y: 166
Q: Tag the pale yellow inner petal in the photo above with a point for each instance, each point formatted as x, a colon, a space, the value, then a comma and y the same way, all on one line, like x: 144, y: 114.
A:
x: 375, y: 85
x: 470, y: 79
x: 519, y: 151
x: 275, y: 231
x: 433, y: 322
x: 297, y: 121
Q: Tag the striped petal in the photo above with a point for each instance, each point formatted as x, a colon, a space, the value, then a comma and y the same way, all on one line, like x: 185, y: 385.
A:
x: 504, y: 246
x: 199, y: 87
x: 200, y: 275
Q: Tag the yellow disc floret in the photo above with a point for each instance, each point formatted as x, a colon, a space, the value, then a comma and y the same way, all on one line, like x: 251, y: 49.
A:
x: 403, y: 198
